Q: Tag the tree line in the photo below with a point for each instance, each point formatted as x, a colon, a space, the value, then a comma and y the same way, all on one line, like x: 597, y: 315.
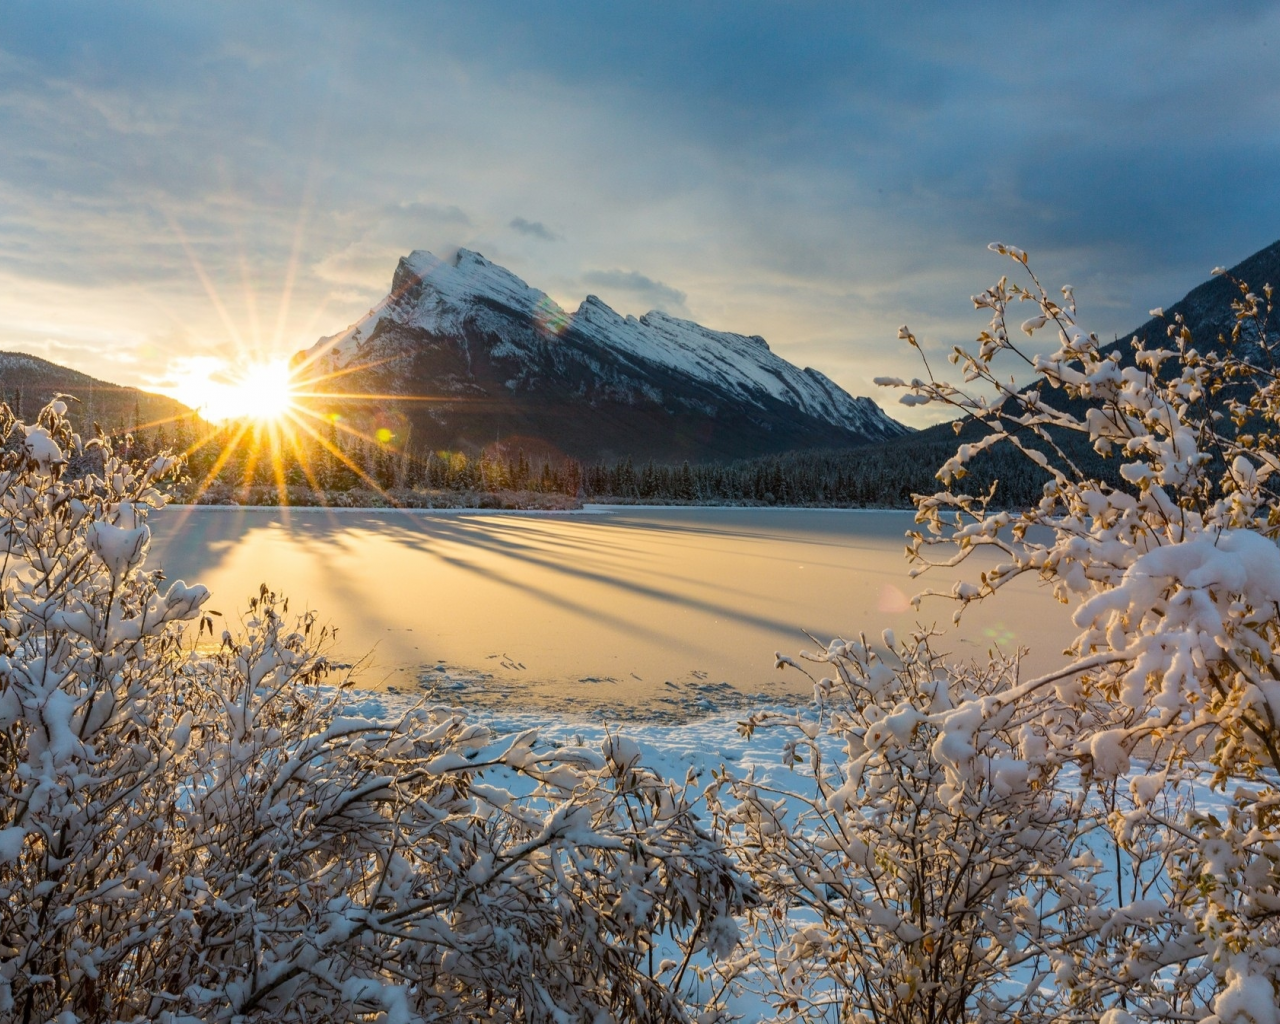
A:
x: 235, y: 463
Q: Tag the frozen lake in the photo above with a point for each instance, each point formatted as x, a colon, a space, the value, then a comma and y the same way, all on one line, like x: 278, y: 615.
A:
x: 649, y: 612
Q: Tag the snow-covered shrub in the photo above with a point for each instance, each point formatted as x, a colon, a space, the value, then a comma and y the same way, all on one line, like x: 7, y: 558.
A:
x: 210, y: 833
x: 1172, y: 573
x: 923, y: 864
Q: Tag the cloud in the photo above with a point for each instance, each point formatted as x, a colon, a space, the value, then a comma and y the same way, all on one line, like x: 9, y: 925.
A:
x: 177, y: 178
x: 534, y: 229
x: 377, y: 238
x: 661, y: 296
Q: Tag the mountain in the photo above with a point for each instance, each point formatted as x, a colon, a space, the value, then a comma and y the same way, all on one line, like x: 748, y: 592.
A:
x: 1207, y: 312
x: 465, y: 353
x: 27, y: 383
x: 1207, y: 307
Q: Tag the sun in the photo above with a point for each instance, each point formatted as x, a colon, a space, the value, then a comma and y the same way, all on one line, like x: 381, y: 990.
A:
x: 267, y: 422
x: 259, y: 390
x: 264, y: 391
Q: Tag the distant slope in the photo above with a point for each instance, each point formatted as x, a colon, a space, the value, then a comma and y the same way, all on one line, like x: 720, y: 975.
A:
x: 31, y: 382
x: 468, y: 354
x: 1207, y: 307
x: 1207, y: 311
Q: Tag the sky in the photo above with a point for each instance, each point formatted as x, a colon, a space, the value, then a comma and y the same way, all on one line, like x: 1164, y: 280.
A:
x: 184, y: 183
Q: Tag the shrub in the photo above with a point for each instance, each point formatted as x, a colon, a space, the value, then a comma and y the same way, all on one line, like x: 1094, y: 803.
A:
x: 925, y: 863
x: 215, y: 832
x: 1173, y: 573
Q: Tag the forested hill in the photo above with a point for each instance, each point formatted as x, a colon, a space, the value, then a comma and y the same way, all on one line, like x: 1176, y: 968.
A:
x: 28, y: 382
x: 1207, y: 312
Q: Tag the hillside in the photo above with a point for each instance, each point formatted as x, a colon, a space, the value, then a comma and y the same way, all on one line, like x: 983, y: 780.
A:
x: 28, y: 382
x: 1207, y: 312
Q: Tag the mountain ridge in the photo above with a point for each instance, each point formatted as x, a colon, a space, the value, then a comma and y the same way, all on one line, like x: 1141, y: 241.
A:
x: 1206, y: 309
x: 468, y: 330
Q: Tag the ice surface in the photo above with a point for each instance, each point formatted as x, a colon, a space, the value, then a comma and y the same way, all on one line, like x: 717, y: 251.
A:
x: 653, y: 612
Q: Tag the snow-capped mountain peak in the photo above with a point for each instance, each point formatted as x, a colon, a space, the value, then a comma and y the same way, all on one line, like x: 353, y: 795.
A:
x: 503, y: 326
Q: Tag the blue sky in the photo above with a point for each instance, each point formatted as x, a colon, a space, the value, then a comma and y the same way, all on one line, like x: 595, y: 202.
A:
x: 185, y: 180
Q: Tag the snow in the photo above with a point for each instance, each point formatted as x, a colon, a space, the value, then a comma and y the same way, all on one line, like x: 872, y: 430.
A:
x: 698, y: 748
x: 703, y: 744
x: 438, y: 295
x: 42, y: 448
x: 449, y: 287
x: 702, y: 748
x: 121, y: 546
x: 1247, y: 999
x: 1110, y: 759
x: 11, y: 843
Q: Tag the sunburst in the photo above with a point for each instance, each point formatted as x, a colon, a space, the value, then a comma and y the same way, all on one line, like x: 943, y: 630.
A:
x: 264, y: 414
x: 276, y: 417
x: 258, y: 390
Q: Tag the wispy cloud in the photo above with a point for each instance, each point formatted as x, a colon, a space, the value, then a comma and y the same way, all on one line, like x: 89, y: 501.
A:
x: 663, y: 296
x: 819, y: 174
x: 534, y: 229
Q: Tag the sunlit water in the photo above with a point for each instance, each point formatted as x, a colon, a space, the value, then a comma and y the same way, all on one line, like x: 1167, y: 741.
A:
x: 650, y: 612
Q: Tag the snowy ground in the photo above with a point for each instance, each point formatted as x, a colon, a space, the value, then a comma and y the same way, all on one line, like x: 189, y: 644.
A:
x: 703, y: 743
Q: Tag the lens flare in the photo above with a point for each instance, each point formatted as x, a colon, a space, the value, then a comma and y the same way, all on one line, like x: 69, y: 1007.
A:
x: 550, y: 318
x: 261, y: 391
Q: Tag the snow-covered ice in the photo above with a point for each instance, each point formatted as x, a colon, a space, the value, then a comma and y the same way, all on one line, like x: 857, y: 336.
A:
x: 655, y: 611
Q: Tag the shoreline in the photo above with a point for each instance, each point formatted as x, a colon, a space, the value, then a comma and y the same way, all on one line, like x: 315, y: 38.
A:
x: 587, y: 508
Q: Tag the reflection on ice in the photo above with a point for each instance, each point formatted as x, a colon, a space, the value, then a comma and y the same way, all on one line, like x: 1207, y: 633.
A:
x: 659, y: 612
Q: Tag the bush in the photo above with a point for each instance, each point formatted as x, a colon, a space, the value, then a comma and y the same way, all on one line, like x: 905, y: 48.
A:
x: 959, y: 843
x: 927, y: 863
x: 214, y: 832
x: 1174, y: 574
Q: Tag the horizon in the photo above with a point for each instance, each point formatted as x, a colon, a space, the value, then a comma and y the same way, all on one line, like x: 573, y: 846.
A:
x: 233, y: 184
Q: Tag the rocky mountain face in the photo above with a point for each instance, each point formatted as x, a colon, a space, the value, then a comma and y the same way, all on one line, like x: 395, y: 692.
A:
x: 1207, y: 312
x: 462, y: 353
x: 1207, y: 307
x: 27, y: 383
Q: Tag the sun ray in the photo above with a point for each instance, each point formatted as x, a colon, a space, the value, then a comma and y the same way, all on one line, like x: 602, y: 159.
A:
x: 311, y: 328
x: 334, y: 374
x: 300, y: 455
x: 223, y: 458
x: 295, y: 257
x: 250, y: 293
x: 205, y: 280
x: 254, y: 452
x: 195, y: 446
x: 332, y: 343
x: 152, y: 424
x: 351, y: 396
x: 342, y: 457
x: 369, y: 438
x: 277, y: 465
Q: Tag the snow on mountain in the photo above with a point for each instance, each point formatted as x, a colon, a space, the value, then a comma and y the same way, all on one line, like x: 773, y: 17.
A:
x: 438, y: 295
x: 464, y: 329
x: 744, y: 365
